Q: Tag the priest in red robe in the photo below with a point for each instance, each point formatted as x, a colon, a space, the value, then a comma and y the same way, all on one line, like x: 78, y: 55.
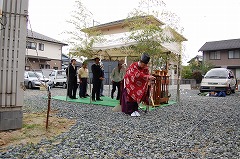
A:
x: 136, y: 85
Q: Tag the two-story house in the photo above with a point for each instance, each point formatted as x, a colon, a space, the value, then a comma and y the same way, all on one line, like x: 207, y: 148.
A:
x: 115, y: 32
x: 224, y: 53
x: 43, y: 52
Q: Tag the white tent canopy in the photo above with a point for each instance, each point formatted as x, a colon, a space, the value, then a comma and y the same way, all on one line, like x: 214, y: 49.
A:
x: 114, y: 41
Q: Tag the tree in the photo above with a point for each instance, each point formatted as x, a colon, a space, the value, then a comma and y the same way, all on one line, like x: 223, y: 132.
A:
x: 206, y: 66
x: 150, y: 34
x: 202, y: 67
x: 80, y: 41
x: 197, y: 75
x: 186, y: 72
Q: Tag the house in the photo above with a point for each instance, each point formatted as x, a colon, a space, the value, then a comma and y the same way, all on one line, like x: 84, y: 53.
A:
x: 115, y: 32
x: 43, y: 52
x: 197, y: 59
x: 224, y: 53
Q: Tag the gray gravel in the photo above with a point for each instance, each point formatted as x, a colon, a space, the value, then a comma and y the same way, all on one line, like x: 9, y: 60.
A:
x: 196, y: 127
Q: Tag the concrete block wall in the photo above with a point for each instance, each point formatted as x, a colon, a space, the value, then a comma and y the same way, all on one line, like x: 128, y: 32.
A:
x: 12, y: 62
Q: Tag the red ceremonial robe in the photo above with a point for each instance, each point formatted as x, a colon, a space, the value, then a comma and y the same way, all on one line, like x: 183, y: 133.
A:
x: 136, y: 86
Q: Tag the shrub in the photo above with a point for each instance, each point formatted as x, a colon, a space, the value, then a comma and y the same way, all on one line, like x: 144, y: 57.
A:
x: 197, y: 75
x: 186, y: 72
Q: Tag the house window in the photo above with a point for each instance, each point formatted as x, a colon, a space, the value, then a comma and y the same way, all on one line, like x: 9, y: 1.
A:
x: 214, y: 55
x: 31, y: 45
x: 234, y: 54
x: 41, y: 46
x: 27, y: 68
x: 41, y: 66
x: 47, y: 66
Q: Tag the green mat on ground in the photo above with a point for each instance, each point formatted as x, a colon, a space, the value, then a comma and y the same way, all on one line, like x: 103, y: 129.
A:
x: 107, y: 101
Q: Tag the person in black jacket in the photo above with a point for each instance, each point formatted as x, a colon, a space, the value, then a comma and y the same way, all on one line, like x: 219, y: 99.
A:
x: 71, y: 73
x: 97, y: 80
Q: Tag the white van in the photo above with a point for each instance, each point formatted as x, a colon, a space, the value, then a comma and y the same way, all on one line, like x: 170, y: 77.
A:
x: 219, y: 79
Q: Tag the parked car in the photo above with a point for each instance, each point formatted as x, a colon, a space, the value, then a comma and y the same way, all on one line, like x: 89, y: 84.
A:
x: 45, y: 72
x: 35, y: 79
x: 219, y: 79
x: 59, y: 78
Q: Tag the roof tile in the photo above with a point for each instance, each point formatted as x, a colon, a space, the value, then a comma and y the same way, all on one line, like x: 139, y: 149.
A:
x: 221, y: 45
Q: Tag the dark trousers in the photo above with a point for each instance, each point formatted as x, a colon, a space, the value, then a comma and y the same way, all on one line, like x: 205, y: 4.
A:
x: 132, y: 107
x: 83, y: 87
x: 114, y: 85
x: 101, y: 88
x: 128, y: 107
x: 72, y: 89
x: 96, y: 89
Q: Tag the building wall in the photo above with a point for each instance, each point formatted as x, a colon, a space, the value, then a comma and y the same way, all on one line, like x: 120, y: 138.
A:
x: 55, y: 64
x: 34, y: 64
x: 174, y: 47
x: 12, y: 61
x: 52, y: 53
x: 224, y: 61
x: 114, y: 30
x: 51, y: 50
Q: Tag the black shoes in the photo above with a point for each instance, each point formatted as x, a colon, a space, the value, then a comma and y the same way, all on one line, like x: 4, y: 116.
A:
x: 99, y: 100
x: 73, y: 97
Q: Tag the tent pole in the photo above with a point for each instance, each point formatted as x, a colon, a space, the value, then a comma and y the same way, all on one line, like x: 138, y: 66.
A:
x: 109, y: 81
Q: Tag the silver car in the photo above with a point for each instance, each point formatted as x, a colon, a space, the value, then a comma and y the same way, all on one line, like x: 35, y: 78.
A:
x: 35, y: 80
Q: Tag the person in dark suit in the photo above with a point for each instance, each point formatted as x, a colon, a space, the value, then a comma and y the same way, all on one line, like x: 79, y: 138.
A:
x: 97, y: 80
x: 71, y: 73
x: 102, y: 83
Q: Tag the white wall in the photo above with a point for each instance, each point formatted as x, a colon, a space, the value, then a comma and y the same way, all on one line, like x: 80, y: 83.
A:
x: 51, y: 50
x: 238, y: 74
x: 174, y: 47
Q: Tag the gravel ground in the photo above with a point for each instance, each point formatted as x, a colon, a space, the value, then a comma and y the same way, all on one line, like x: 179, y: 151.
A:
x: 196, y: 127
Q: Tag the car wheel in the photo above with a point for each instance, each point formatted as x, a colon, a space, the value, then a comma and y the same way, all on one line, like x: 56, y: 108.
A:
x: 229, y: 91
x: 64, y: 85
x: 30, y: 85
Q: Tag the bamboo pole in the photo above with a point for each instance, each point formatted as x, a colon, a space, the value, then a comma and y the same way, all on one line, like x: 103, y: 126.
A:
x: 178, y: 78
x: 48, y: 111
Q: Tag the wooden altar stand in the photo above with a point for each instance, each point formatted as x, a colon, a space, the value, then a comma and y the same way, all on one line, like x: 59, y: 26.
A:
x: 160, y: 88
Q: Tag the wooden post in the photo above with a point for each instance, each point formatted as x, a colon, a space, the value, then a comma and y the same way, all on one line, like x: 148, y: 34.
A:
x: 109, y: 81
x: 178, y: 78
x: 49, y: 102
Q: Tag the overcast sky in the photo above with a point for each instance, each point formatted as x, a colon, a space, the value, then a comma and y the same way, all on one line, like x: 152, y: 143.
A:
x: 202, y: 20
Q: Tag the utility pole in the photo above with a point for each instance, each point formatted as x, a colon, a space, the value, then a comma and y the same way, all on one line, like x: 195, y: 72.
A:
x: 12, y: 65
